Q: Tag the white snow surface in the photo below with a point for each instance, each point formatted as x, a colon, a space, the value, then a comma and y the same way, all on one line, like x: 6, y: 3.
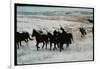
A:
x: 81, y: 49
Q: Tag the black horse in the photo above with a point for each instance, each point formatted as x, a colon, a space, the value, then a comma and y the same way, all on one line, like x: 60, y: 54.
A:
x: 53, y: 38
x: 40, y: 38
x: 67, y: 35
x: 59, y: 39
x: 24, y: 36
x: 64, y: 38
x: 83, y: 32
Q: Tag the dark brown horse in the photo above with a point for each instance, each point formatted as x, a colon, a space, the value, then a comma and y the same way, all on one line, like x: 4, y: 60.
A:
x: 24, y: 36
x: 83, y: 32
x: 59, y: 39
x: 53, y: 38
x: 64, y: 38
x: 40, y: 38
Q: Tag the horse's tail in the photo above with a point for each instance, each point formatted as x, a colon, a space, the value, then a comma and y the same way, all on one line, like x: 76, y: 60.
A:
x: 29, y: 38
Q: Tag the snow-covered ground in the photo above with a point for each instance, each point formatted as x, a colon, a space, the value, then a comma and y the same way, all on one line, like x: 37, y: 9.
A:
x: 81, y: 48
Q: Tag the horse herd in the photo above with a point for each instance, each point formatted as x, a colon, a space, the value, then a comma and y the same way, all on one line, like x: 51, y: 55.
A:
x: 57, y: 38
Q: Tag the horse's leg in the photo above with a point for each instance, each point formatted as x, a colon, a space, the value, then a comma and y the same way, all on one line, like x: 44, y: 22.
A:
x: 60, y: 47
x: 55, y: 46
x: 43, y: 44
x: 27, y: 43
x: 81, y: 36
x: 50, y: 45
x: 20, y: 43
x: 26, y: 40
x: 70, y: 41
x: 46, y: 44
x: 37, y: 45
x: 67, y: 44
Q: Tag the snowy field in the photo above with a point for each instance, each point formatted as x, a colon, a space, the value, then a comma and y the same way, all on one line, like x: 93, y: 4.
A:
x: 80, y: 49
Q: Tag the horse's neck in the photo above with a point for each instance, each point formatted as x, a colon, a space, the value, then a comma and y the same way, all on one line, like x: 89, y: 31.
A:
x: 38, y: 35
x: 50, y: 35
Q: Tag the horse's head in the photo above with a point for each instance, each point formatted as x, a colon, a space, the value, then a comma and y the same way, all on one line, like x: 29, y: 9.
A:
x: 34, y: 33
x: 61, y: 28
x: 56, y: 33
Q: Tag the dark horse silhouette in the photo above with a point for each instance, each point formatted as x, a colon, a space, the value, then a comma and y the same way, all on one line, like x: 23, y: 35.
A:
x: 64, y: 38
x: 40, y: 38
x: 83, y: 32
x: 53, y: 38
x: 24, y: 36
x: 59, y: 39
